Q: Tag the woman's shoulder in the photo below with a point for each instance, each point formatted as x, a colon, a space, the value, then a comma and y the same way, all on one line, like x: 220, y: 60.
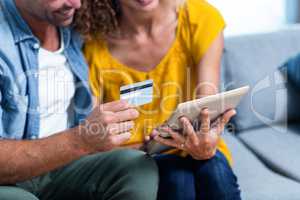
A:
x: 199, y: 11
x: 94, y: 43
x: 201, y: 23
x: 93, y: 48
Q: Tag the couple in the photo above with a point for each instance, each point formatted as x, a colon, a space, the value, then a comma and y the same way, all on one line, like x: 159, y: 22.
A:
x: 56, y: 145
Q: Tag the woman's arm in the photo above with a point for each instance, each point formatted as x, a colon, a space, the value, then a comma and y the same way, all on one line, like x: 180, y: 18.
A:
x: 208, y: 70
x: 202, y: 144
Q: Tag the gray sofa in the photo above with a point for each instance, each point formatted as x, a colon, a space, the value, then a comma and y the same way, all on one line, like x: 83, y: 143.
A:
x: 264, y: 137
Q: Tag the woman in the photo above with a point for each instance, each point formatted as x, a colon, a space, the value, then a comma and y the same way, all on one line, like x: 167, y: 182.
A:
x: 177, y: 44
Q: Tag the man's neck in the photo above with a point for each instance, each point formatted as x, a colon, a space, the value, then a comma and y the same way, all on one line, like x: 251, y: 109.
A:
x: 47, y: 33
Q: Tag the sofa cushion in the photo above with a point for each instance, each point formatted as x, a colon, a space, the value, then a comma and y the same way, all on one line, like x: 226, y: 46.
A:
x: 278, y: 147
x: 292, y: 68
x: 255, y: 179
x: 254, y: 60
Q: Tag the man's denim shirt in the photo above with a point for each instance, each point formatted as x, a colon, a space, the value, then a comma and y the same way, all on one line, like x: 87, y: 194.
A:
x: 18, y: 76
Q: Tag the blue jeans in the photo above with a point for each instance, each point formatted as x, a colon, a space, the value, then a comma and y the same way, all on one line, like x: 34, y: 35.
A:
x: 189, y: 179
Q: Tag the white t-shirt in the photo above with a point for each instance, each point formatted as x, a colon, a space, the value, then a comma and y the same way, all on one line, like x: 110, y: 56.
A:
x: 56, y: 91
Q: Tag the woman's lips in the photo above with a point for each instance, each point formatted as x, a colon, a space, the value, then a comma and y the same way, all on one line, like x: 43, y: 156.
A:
x: 144, y: 2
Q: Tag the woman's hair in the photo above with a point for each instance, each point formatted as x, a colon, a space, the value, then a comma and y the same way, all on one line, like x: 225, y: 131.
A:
x: 97, y: 18
x: 100, y: 17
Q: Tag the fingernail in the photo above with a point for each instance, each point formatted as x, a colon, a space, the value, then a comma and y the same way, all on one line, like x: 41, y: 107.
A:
x: 128, y: 134
x: 131, y: 125
x: 205, y: 111
x: 135, y: 112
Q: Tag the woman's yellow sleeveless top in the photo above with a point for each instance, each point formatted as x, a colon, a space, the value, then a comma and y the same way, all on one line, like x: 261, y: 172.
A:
x: 199, y: 23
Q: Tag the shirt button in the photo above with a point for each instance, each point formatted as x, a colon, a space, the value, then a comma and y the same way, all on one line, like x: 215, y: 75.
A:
x: 36, y: 46
x: 33, y: 137
x: 36, y: 75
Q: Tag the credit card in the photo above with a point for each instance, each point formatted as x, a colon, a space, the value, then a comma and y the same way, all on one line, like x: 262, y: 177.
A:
x: 138, y: 94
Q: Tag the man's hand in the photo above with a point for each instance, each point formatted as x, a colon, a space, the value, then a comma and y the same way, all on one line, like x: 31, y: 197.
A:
x: 107, y: 127
x: 202, y: 144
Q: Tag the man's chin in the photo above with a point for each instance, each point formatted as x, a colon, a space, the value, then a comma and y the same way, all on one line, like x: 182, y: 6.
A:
x: 67, y: 23
x: 64, y: 23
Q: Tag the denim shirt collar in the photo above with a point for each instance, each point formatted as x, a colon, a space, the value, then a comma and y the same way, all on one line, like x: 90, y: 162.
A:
x: 20, y: 29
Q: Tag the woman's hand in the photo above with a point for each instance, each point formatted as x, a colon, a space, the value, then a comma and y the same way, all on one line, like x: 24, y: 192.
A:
x: 202, y: 144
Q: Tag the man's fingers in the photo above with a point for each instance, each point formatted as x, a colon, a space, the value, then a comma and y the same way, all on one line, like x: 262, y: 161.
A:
x: 116, y: 106
x: 120, y: 139
x: 205, y: 121
x: 126, y: 115
x: 117, y: 128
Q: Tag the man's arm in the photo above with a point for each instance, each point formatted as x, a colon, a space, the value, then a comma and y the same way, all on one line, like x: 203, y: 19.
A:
x: 22, y: 160
x: 105, y: 129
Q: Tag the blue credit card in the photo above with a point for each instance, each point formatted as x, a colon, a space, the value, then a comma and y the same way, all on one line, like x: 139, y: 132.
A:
x: 138, y: 94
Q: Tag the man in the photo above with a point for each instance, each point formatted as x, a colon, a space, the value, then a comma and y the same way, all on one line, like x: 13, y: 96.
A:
x: 49, y: 138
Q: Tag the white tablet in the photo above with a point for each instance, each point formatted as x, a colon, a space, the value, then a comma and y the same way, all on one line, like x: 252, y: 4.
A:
x: 216, y: 104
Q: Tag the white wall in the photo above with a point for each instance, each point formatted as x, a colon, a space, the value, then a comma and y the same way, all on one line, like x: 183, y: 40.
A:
x: 248, y: 16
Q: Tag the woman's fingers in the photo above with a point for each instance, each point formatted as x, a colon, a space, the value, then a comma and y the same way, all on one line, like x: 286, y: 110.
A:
x: 205, y: 121
x: 153, y: 134
x: 229, y: 114
x: 147, y: 138
x: 176, y: 138
x: 224, y: 119
x: 188, y: 131
x: 179, y: 138
x: 167, y: 142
